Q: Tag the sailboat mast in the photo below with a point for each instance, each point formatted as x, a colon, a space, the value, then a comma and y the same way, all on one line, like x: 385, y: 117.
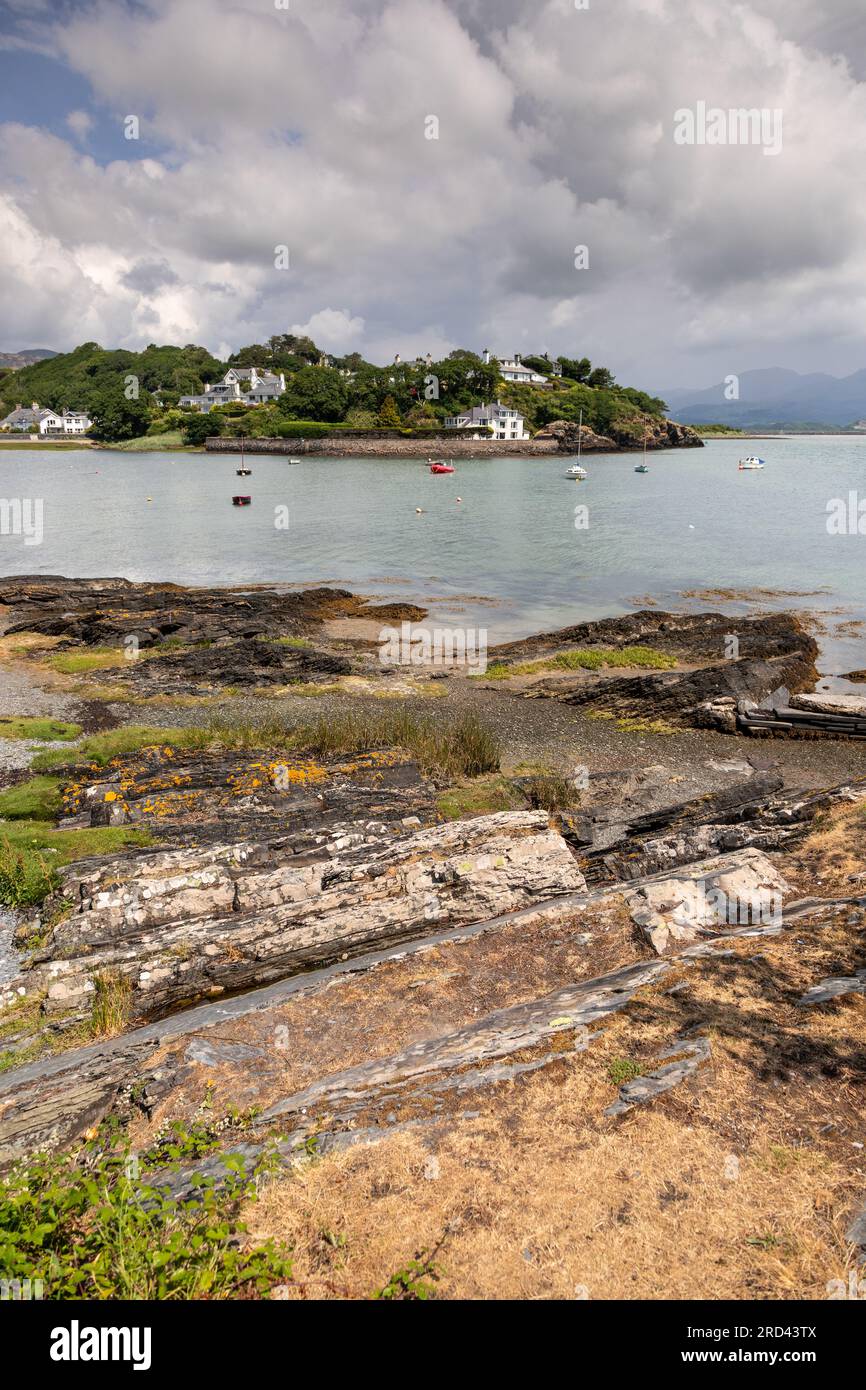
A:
x: 579, y: 433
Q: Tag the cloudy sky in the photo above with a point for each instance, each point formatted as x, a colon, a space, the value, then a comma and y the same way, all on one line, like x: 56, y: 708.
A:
x: 305, y: 124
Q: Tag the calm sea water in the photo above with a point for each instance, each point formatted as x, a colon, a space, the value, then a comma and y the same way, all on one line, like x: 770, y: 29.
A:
x: 508, y: 556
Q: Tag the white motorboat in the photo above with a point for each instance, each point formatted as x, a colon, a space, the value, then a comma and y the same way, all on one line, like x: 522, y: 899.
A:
x: 751, y: 462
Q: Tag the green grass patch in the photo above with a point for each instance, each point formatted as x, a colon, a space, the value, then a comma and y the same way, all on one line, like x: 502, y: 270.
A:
x: 584, y: 659
x: 37, y: 799
x: 151, y: 443
x: 7, y: 443
x: 480, y: 797
x: 44, y: 730
x: 94, y: 659
x: 26, y: 876
x: 299, y: 643
x: 32, y: 851
x: 129, y: 738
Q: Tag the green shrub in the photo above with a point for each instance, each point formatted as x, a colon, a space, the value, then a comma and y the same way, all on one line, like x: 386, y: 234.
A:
x: 91, y: 1226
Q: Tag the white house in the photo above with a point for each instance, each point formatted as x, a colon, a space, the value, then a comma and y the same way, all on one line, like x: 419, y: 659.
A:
x: 33, y: 420
x: 246, y: 385
x: 505, y: 423
x: 66, y: 422
x: 512, y: 369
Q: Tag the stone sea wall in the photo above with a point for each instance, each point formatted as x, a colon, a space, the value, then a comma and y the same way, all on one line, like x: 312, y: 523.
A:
x: 338, y: 446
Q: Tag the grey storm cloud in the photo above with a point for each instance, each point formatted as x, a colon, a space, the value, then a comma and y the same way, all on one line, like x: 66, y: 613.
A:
x: 149, y: 276
x: 308, y: 128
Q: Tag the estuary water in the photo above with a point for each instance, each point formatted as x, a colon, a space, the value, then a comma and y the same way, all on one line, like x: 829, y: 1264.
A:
x: 508, y: 556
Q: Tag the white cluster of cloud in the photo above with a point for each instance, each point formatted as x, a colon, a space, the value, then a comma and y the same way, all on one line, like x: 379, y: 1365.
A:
x: 305, y: 126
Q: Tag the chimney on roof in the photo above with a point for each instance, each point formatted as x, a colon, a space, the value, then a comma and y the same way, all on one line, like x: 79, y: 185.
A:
x: 34, y: 405
x: 486, y: 354
x: 517, y: 358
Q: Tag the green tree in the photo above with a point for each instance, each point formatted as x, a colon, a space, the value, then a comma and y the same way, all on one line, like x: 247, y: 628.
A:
x: 197, y: 428
x: 315, y: 393
x: 389, y: 415
x: 575, y: 368
x: 115, y: 417
x: 361, y: 419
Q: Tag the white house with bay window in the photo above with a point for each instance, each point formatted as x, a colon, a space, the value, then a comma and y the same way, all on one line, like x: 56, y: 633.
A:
x: 504, y: 423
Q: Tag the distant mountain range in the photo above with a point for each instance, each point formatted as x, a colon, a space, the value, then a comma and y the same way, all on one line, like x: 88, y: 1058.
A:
x: 26, y: 357
x: 774, y: 396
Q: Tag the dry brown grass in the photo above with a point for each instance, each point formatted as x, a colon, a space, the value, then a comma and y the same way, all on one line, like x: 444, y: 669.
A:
x: 539, y: 1198
x: 739, y: 1184
x: 835, y: 853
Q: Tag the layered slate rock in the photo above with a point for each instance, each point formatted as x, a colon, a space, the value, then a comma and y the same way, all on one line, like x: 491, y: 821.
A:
x: 194, y: 798
x: 688, y: 1055
x: 647, y: 832
x: 822, y: 715
x: 175, y: 926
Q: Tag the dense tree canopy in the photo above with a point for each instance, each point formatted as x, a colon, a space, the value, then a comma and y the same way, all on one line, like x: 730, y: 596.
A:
x: 131, y: 393
x: 315, y: 393
x: 116, y: 416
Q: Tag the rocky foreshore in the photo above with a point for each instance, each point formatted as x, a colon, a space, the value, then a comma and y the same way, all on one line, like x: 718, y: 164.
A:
x: 443, y: 993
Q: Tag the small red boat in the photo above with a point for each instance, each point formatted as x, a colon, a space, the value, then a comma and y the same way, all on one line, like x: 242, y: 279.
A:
x: 241, y: 501
x: 441, y: 468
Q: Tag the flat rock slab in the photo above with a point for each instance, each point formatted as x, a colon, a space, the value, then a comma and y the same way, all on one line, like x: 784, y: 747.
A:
x: 835, y: 987
x: 726, y: 892
x: 565, y: 1011
x: 44, y: 1111
x: 831, y: 703
x: 195, y: 797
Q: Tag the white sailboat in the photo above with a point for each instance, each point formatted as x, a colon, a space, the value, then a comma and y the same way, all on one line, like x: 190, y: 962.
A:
x: 576, y: 471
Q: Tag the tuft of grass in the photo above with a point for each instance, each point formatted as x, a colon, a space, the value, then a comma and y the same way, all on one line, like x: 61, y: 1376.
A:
x: 585, y: 659
x: 37, y: 799
x: 111, y: 1005
x: 43, y: 730
x: 550, y: 791
x: 464, y: 748
x: 25, y: 876
x: 296, y: 642
x: 623, y: 1069
x: 480, y: 797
